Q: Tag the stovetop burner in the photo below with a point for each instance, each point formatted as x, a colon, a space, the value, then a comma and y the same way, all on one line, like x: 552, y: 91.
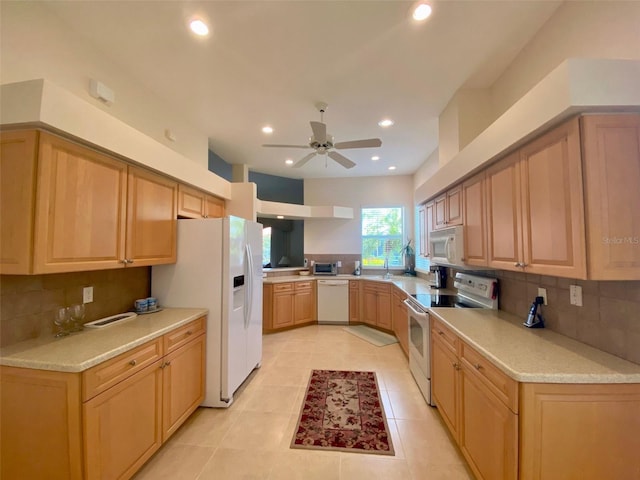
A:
x: 437, y: 300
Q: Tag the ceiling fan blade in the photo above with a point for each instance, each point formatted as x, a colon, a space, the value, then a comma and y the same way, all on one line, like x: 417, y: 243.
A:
x: 284, y: 146
x: 370, y: 142
x: 304, y: 160
x: 342, y: 160
x: 319, y: 131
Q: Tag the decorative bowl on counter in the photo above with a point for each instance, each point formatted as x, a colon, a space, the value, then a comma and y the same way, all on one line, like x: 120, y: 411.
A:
x: 304, y: 273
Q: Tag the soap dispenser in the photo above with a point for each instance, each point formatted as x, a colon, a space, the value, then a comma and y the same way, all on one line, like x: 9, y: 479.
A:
x: 534, y: 319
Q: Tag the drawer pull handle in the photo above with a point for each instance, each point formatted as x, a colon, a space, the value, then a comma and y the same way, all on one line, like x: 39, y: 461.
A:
x: 133, y: 363
x: 477, y: 366
x: 440, y: 332
x: 456, y: 366
x: 165, y: 364
x: 189, y: 332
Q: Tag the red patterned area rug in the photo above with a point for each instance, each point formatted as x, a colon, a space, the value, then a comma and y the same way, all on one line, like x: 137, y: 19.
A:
x: 342, y: 411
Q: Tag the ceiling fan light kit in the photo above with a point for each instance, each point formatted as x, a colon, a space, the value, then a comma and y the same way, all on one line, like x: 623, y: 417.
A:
x: 323, y: 144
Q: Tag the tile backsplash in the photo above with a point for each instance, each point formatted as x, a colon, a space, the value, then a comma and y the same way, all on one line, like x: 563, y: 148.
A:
x: 608, y: 320
x: 27, y: 302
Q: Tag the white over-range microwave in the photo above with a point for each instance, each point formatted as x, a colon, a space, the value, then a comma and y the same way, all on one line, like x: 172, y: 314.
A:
x: 447, y: 246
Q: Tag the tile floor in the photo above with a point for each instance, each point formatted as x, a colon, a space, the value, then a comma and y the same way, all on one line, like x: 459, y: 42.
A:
x: 250, y: 439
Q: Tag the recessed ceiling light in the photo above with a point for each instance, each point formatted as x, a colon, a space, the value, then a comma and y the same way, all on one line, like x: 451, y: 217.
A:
x: 385, y: 123
x: 198, y: 27
x: 392, y: 167
x: 288, y: 161
x: 279, y: 217
x: 375, y: 157
x: 422, y: 12
x: 267, y: 129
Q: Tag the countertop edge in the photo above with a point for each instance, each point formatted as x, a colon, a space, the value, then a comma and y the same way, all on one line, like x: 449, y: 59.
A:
x: 100, y: 358
x: 560, y: 378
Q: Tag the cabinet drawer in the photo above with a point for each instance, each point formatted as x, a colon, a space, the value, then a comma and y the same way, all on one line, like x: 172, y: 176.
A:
x: 353, y: 284
x: 184, y: 334
x: 102, y: 377
x: 282, y: 287
x: 303, y: 286
x: 439, y: 330
x: 505, y: 387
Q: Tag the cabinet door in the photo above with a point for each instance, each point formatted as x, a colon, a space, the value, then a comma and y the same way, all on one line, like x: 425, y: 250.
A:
x: 17, y: 200
x: 303, y: 306
x: 191, y: 202
x: 151, y: 218
x: 40, y: 425
x: 444, y: 383
x: 384, y: 309
x: 552, y: 204
x: 354, y: 301
x: 369, y: 305
x: 400, y: 322
x: 283, y: 313
x: 81, y: 209
x: 475, y: 221
x: 611, y: 152
x: 504, y: 219
x: 488, y: 430
x: 422, y: 230
x: 455, y: 208
x: 182, y: 384
x: 440, y: 212
x: 113, y: 447
x: 213, y: 207
x: 428, y: 215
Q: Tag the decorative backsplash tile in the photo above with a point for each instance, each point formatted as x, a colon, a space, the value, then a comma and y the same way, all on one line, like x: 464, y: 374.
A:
x: 27, y: 302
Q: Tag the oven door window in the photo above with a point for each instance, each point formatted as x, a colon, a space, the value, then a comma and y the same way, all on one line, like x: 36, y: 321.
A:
x: 417, y: 336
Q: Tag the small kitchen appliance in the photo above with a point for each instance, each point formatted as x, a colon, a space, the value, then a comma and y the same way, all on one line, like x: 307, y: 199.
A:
x: 439, y: 276
x: 325, y: 268
x: 357, y: 271
x: 447, y: 246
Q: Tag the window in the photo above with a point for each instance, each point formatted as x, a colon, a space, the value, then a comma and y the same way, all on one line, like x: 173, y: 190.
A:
x: 382, y: 236
x: 266, y: 246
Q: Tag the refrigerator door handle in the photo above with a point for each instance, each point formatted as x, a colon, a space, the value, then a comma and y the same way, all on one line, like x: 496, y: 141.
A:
x: 248, y: 299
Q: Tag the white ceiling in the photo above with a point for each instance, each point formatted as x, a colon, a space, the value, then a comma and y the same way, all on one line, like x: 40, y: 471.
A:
x: 270, y: 62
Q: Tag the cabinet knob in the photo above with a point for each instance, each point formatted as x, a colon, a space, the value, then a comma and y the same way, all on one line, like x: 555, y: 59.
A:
x: 129, y: 260
x: 477, y: 366
x: 440, y: 332
x: 133, y: 363
x: 456, y: 366
x: 167, y: 363
x: 189, y: 332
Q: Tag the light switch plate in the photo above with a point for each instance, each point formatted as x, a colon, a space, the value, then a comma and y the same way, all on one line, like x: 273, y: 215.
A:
x: 87, y: 295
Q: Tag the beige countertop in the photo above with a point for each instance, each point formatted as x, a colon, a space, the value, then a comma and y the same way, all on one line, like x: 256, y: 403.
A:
x: 82, y: 350
x: 535, y: 355
x: 410, y: 285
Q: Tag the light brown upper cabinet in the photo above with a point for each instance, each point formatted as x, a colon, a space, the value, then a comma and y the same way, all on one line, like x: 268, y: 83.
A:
x: 475, y: 221
x: 447, y: 210
x: 194, y: 203
x: 81, y: 211
x: 151, y: 218
x: 535, y: 207
x: 425, y: 219
x: 18, y: 154
x: 611, y: 153
x: 88, y: 211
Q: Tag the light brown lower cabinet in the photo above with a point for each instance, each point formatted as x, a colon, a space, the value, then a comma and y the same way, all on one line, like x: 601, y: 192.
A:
x: 530, y: 431
x: 354, y: 301
x: 105, y: 422
x: 288, y: 304
x: 376, y: 304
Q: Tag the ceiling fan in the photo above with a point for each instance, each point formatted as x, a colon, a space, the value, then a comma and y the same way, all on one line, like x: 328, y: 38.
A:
x: 323, y: 144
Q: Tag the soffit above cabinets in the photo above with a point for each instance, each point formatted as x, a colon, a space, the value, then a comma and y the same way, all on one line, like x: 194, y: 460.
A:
x: 41, y: 103
x: 576, y: 86
x: 295, y: 211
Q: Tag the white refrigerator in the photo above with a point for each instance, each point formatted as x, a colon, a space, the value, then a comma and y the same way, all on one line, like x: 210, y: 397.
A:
x: 219, y: 267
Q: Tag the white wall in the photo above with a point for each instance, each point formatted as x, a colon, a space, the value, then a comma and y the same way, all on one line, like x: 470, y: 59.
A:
x: 587, y: 29
x: 427, y: 169
x: 330, y: 236
x: 34, y: 44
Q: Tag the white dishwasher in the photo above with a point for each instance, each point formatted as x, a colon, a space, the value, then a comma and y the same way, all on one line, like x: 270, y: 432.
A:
x: 333, y: 301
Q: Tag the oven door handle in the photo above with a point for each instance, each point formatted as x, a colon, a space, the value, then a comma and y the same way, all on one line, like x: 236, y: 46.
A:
x: 416, y: 312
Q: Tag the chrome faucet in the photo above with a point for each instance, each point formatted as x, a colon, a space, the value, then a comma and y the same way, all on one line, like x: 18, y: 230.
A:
x: 386, y: 267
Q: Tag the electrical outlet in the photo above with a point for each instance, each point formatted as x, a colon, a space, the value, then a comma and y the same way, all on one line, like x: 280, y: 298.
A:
x: 542, y: 292
x: 87, y: 295
x: 575, y: 295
